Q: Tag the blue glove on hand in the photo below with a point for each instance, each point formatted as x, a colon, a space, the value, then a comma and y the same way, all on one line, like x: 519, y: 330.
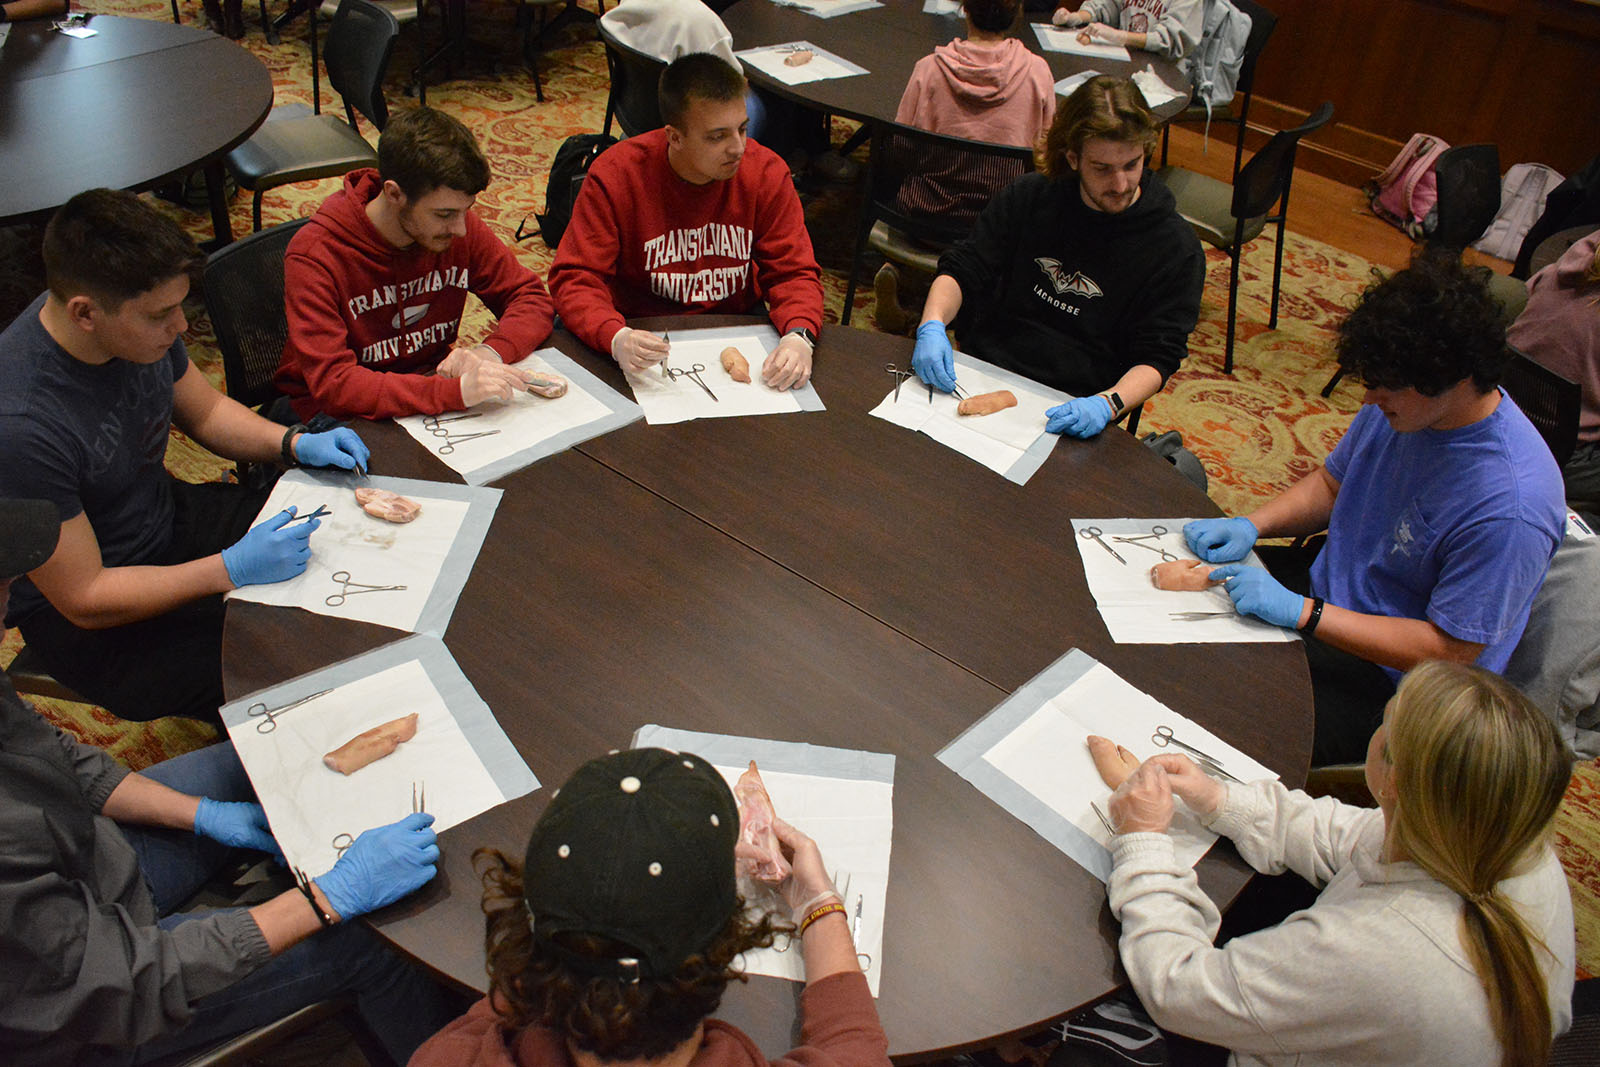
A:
x: 236, y: 824
x: 1255, y: 592
x: 1220, y: 540
x: 334, y: 448
x: 933, y: 359
x: 269, y: 553
x: 382, y: 866
x: 1083, y: 416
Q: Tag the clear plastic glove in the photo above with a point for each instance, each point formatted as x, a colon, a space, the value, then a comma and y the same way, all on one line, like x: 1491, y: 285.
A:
x: 269, y: 553
x: 1143, y: 802
x: 1202, y: 793
x: 1220, y: 540
x: 489, y: 379
x: 382, y: 866
x: 789, y: 365
x: 1099, y: 32
x: 236, y: 824
x: 1082, y: 416
x: 1063, y: 17
x: 932, y: 358
x: 460, y: 359
x: 1255, y: 592
x: 339, y: 447
x: 808, y: 883
x: 638, y: 350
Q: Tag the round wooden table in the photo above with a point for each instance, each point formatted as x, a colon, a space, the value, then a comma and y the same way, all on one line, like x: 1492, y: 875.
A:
x: 824, y: 577
x: 141, y: 102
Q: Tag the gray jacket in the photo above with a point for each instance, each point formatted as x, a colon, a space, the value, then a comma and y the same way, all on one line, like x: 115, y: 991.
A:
x: 1557, y: 661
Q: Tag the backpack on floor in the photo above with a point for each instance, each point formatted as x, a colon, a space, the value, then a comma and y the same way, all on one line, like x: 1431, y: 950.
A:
x: 1169, y: 446
x: 1213, y: 67
x: 1407, y: 192
x: 1522, y: 196
x: 573, y: 159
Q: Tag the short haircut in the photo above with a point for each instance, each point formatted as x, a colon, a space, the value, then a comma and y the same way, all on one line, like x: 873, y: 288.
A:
x: 421, y: 150
x: 1426, y: 328
x: 992, y: 16
x: 111, y: 246
x: 1109, y: 108
x: 696, y: 76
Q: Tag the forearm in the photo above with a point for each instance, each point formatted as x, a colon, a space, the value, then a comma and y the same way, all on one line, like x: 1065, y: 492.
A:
x: 944, y: 300
x: 141, y: 801
x: 827, y: 948
x: 233, y: 431
x: 1303, y: 508
x: 1388, y: 641
x: 1139, y: 384
x: 33, y: 9
x: 116, y: 596
x: 287, y: 919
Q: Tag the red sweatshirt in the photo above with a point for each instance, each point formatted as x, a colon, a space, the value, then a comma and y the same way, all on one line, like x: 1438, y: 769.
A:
x: 367, y: 321
x: 643, y: 241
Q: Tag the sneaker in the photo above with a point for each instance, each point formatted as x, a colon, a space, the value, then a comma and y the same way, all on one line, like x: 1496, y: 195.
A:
x: 888, y: 313
x: 1118, y: 1031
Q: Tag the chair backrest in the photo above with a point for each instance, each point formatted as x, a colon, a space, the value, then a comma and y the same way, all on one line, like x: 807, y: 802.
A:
x: 1265, y: 180
x: 243, y: 286
x: 1468, y: 181
x: 635, y: 76
x: 1551, y: 402
x: 357, y: 52
x: 1262, y: 23
x: 932, y: 186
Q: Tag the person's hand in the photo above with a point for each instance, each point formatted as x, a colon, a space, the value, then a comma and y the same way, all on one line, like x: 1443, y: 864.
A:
x: 1099, y: 31
x: 638, y: 350
x: 1082, y: 416
x: 789, y: 365
x: 1220, y: 540
x: 808, y: 882
x: 1063, y: 17
x: 269, y: 553
x: 932, y: 358
x: 1202, y: 793
x: 382, y: 866
x: 339, y: 447
x: 489, y: 379
x: 456, y: 363
x: 1255, y: 592
x: 237, y: 825
x: 1143, y: 802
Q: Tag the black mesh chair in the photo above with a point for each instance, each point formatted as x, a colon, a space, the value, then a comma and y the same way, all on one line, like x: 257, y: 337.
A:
x: 1262, y: 23
x: 243, y: 287
x: 253, y: 1046
x: 1230, y: 217
x: 1551, y: 402
x: 292, y: 146
x: 928, y: 188
x: 634, y: 78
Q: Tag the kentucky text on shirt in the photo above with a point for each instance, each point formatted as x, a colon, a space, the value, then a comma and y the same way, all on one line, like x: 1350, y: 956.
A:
x: 431, y: 282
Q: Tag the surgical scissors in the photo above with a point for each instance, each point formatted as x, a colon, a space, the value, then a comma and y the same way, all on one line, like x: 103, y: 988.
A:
x: 862, y: 958
x: 322, y: 509
x: 1163, y: 737
x: 431, y: 423
x: 340, y: 843
x: 352, y: 588
x: 269, y: 716
x: 1198, y: 616
x: 1155, y: 534
x: 1094, y: 533
x: 450, y: 442
x: 692, y: 373
x: 899, y: 377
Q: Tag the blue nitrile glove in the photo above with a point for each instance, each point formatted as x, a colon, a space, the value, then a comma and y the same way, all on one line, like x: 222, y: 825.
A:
x: 335, y: 448
x: 269, y: 553
x: 933, y: 359
x: 1220, y: 540
x: 1255, y: 592
x: 382, y: 866
x: 236, y: 824
x: 1082, y: 416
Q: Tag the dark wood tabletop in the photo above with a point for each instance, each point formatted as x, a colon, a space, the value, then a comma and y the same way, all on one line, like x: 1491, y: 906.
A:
x: 824, y: 577
x: 888, y: 41
x: 141, y: 102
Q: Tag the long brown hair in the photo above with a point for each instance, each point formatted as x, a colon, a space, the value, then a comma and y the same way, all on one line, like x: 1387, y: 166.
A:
x: 1478, y: 775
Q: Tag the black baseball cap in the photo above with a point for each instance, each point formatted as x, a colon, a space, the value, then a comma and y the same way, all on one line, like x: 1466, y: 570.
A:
x: 637, y: 848
x: 29, y: 530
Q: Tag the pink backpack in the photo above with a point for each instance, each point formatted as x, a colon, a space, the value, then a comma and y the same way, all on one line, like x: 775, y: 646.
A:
x: 1406, y: 192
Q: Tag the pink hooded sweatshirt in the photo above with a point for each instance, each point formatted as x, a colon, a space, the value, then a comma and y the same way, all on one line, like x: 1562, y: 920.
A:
x: 997, y: 92
x: 1560, y: 327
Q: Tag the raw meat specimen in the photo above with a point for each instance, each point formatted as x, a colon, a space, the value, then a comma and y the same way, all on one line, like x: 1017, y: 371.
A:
x: 390, y: 507
x: 755, y: 828
x: 547, y: 384
x: 371, y: 746
x: 1113, y: 761
x: 1189, y: 575
x: 735, y: 364
x: 987, y: 403
x: 799, y: 57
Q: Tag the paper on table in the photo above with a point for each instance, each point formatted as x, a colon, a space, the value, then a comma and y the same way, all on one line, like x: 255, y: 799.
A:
x: 679, y: 399
x: 1156, y: 92
x: 941, y: 7
x: 844, y: 800
x: 1065, y: 39
x: 827, y: 9
x: 769, y: 59
x: 1136, y: 612
x: 431, y: 556
x: 527, y: 429
x: 1066, y: 86
x: 1030, y: 755
x: 1012, y: 442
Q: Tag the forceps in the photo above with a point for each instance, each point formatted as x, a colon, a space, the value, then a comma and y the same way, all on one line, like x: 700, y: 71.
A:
x: 1094, y: 533
x: 450, y: 442
x: 1112, y: 830
x: 269, y: 716
x: 353, y: 588
x: 431, y: 423
x: 1163, y: 737
x: 340, y: 843
x: 322, y: 509
x: 692, y: 373
x: 862, y: 958
x: 1155, y: 534
x: 419, y: 797
x: 1197, y: 616
x: 899, y: 377
x: 955, y: 391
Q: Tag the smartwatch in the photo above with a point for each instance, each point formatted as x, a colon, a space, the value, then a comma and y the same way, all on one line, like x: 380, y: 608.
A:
x: 804, y: 334
x: 1116, y: 403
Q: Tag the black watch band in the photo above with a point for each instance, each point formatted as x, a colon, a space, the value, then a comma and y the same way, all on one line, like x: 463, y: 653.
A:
x: 806, y: 335
x: 1310, y: 627
x: 287, y: 448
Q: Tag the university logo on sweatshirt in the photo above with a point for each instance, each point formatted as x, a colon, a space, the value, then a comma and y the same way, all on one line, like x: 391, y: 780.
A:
x: 410, y: 305
x: 705, y: 285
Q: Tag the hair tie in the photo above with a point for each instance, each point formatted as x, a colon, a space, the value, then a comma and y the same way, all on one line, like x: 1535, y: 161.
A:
x: 1480, y: 898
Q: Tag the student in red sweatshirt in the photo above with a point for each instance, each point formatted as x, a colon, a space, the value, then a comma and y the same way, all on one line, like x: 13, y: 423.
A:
x: 690, y: 219
x: 375, y: 283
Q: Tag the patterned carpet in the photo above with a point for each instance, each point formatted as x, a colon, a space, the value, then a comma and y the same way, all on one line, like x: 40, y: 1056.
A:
x: 1256, y: 431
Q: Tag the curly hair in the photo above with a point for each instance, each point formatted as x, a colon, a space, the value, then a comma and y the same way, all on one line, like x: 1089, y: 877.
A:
x: 532, y: 986
x: 1427, y: 328
x: 992, y: 16
x: 1105, y: 107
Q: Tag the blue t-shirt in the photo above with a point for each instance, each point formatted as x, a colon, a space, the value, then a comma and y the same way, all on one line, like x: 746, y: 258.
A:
x: 1453, y: 526
x: 89, y: 439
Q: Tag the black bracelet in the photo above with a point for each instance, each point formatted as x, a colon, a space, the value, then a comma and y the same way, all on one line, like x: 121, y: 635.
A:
x: 304, y: 883
x: 287, y: 448
x: 1316, y: 616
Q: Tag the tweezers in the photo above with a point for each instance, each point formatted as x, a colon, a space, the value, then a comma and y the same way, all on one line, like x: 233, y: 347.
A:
x: 1112, y: 830
x: 1197, y: 616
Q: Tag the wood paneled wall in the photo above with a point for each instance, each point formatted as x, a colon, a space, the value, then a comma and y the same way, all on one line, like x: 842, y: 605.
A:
x: 1521, y: 74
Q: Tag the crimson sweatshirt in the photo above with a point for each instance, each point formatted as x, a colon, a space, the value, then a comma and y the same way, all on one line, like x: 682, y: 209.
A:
x: 367, y: 321
x: 643, y: 241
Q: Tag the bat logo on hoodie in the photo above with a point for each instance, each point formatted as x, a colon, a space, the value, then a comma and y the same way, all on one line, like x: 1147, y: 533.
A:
x: 1076, y: 283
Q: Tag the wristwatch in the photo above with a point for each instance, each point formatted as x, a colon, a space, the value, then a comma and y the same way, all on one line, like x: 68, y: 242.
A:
x: 1116, y: 403
x: 804, y: 334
